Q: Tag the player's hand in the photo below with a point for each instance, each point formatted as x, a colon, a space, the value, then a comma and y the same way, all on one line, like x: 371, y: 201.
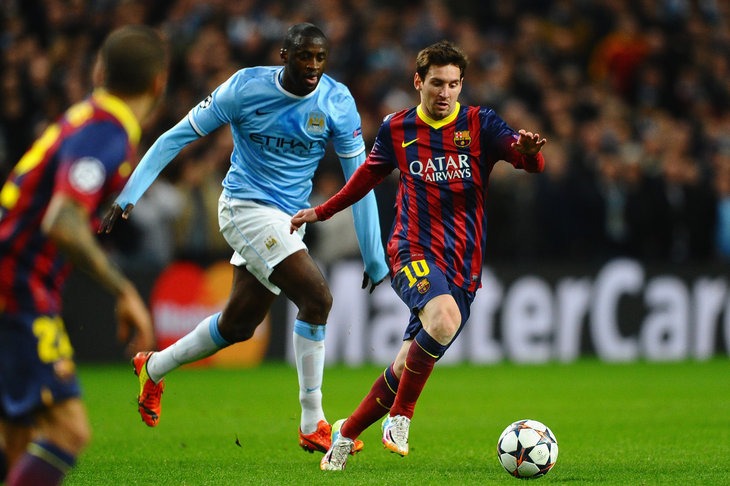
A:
x: 134, y: 323
x: 366, y: 280
x: 112, y: 215
x: 303, y: 216
x: 529, y: 143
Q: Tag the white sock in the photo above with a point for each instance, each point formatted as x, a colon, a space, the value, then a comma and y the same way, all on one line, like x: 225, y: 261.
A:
x: 309, y: 357
x: 203, y: 341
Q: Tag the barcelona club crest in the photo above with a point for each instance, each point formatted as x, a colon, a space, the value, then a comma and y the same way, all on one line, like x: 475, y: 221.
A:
x: 462, y: 138
x: 423, y: 285
x: 315, y: 123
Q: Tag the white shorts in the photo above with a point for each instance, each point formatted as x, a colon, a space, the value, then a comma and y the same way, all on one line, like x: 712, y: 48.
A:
x: 259, y: 236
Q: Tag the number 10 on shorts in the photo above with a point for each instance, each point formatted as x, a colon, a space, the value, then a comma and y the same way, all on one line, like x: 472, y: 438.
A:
x: 415, y: 270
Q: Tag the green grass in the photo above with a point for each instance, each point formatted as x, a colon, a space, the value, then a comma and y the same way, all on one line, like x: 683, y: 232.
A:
x: 625, y: 424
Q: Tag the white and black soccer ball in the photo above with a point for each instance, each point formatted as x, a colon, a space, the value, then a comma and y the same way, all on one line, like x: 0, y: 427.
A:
x: 527, y: 449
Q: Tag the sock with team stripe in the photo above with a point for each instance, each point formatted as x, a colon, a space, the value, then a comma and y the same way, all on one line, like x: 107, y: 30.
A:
x: 421, y: 358
x: 372, y: 408
x: 308, y: 343
x: 203, y: 341
x: 43, y: 464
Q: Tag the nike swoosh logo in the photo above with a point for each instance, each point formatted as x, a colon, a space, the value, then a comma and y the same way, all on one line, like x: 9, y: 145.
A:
x: 405, y: 144
x: 259, y: 112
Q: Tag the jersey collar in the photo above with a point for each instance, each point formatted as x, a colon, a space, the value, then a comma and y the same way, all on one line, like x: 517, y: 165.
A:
x: 280, y: 86
x: 436, y: 124
x: 121, y: 111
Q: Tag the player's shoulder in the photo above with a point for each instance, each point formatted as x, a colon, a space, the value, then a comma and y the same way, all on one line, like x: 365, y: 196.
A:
x: 479, y: 110
x: 98, y: 119
x: 250, y: 81
x: 253, y: 75
x: 399, y: 115
x: 105, y: 139
x: 257, y: 71
x: 331, y: 87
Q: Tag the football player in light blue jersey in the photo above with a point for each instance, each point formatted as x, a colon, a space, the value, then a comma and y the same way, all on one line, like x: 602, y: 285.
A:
x: 281, y: 119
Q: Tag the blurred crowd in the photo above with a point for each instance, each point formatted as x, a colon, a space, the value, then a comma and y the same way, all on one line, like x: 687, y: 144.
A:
x: 633, y: 96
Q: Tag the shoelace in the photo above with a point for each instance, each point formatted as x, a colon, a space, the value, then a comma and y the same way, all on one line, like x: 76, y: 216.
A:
x: 399, y: 430
x: 340, y: 451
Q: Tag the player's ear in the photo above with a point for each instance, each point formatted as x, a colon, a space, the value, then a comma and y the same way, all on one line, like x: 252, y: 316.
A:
x: 159, y: 84
x: 417, y: 82
x: 284, y: 55
x: 97, y: 73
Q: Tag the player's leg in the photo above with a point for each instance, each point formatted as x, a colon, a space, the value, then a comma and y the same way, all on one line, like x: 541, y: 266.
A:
x: 440, y: 317
x: 4, y: 462
x: 16, y: 439
x: 246, y: 308
x: 376, y: 403
x: 39, y: 390
x: 302, y: 282
x: 371, y: 409
x: 441, y: 320
x: 63, y: 431
x: 279, y: 260
x: 435, y: 321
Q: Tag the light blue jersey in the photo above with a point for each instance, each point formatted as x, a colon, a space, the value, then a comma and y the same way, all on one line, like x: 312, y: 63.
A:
x: 278, y: 141
x: 279, y: 138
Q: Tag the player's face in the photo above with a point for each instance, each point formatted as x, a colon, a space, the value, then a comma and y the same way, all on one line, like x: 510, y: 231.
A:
x: 304, y: 64
x: 439, y: 90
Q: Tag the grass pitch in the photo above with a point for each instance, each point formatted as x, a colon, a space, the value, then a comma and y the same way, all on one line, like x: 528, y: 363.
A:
x: 623, y: 424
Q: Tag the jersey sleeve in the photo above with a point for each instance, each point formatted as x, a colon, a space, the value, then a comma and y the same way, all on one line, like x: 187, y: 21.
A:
x: 367, y: 223
x: 221, y: 107
x: 88, y: 160
x: 365, y: 178
x: 499, y: 137
x: 347, y: 128
x: 381, y: 154
x: 165, y: 148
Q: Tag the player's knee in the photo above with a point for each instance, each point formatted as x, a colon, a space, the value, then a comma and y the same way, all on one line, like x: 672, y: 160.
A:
x: 398, y: 366
x: 242, y: 334
x: 444, y: 326
x: 235, y: 331
x: 71, y: 436
x: 81, y: 436
x: 315, y: 306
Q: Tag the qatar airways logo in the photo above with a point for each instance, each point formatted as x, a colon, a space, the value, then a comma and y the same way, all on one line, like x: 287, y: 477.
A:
x: 441, y: 169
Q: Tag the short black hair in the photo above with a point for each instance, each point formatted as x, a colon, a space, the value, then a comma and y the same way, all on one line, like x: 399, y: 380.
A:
x: 297, y: 32
x: 441, y: 53
x: 132, y: 57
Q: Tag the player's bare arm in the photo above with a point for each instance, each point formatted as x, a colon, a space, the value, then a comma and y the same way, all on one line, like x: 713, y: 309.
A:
x: 67, y: 224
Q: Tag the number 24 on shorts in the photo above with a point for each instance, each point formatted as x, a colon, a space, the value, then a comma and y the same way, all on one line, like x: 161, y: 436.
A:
x: 53, y: 342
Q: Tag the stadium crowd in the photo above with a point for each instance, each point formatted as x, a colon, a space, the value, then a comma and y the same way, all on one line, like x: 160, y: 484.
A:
x: 633, y: 96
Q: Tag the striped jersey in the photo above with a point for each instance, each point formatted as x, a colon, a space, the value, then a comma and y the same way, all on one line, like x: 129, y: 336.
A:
x: 444, y: 171
x: 87, y: 154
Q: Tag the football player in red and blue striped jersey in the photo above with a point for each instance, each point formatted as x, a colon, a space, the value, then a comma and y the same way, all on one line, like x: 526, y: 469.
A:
x: 48, y: 218
x: 444, y: 152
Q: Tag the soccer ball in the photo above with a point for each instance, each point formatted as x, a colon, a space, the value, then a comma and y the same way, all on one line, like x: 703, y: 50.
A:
x: 527, y: 449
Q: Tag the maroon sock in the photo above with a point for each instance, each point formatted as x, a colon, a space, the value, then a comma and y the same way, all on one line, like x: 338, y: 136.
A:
x: 43, y: 464
x: 421, y: 358
x: 373, y: 406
